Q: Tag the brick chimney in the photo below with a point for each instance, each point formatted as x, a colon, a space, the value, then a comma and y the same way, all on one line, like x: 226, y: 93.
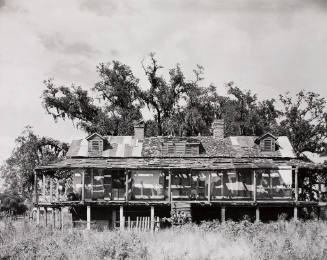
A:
x: 218, y: 129
x: 139, y: 130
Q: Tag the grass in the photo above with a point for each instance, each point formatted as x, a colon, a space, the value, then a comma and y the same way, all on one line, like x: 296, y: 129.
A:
x: 210, y: 240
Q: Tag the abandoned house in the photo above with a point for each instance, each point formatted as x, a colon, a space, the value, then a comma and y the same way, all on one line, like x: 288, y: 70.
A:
x: 121, y: 181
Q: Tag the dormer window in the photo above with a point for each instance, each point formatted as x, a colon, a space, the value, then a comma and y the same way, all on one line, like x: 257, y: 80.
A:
x: 267, y: 142
x: 180, y: 148
x: 268, y: 145
x: 95, y: 146
x: 170, y: 148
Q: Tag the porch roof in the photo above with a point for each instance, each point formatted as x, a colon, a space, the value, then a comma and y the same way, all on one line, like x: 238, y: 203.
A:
x: 200, y: 163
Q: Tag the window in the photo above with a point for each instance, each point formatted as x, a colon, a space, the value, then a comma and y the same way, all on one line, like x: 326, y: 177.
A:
x: 95, y: 146
x: 268, y: 145
x: 171, y: 148
x: 188, y: 150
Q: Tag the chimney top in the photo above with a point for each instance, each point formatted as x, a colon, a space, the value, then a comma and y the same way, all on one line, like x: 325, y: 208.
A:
x: 139, y: 129
x: 218, y: 129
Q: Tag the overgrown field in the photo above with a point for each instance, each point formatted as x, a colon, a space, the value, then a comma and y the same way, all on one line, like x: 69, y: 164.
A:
x: 211, y: 240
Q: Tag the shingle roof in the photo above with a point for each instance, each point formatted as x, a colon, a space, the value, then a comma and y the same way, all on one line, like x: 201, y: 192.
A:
x: 198, y: 163
x: 234, y: 146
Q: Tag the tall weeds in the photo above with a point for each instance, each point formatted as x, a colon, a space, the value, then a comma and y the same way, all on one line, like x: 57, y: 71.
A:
x: 210, y: 240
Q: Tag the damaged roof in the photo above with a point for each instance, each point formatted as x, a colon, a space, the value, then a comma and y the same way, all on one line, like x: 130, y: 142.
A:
x: 233, y: 146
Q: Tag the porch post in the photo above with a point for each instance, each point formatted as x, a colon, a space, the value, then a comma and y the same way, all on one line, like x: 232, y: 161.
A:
x: 254, y: 186
x: 295, y: 213
x: 88, y: 217
x: 60, y: 218
x: 83, y: 185
x: 223, y: 214
x: 113, y: 218
x: 169, y: 186
x: 46, y: 216
x: 126, y: 185
x: 209, y: 188
x: 121, y: 218
x: 38, y: 215
x: 257, y: 214
x: 296, y: 190
x: 35, y: 188
x: 57, y: 191
x: 54, y: 217
x: 51, y: 197
x: 296, y: 184
x: 43, y: 186
x: 152, y: 218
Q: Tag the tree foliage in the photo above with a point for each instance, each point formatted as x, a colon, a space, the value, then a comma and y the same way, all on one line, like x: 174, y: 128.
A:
x: 304, y: 121
x: 183, y: 106
x: 30, y: 151
x: 117, y: 88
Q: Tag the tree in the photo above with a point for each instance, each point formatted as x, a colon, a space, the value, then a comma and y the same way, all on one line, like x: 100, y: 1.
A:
x: 11, y: 202
x: 304, y: 121
x: 120, y: 106
x: 30, y: 151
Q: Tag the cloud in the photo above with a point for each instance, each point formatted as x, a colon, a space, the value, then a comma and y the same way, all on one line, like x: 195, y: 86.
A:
x: 57, y: 43
x: 266, y: 46
x: 2, y: 3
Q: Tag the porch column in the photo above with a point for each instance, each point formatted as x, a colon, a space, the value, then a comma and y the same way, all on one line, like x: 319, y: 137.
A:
x: 51, y: 197
x: 57, y: 191
x: 126, y: 185
x: 60, y: 219
x: 295, y: 213
x: 46, y: 216
x: 254, y: 186
x: 113, y: 218
x: 296, y: 190
x: 43, y: 186
x: 223, y: 214
x: 169, y: 185
x: 53, y: 218
x: 83, y: 185
x: 35, y: 188
x: 38, y: 216
x: 121, y: 218
x: 152, y: 218
x: 209, y: 187
x: 88, y: 217
x: 257, y: 214
x: 296, y: 184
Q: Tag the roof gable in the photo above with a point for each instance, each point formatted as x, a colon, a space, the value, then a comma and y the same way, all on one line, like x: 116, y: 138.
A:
x: 257, y: 140
x: 91, y: 136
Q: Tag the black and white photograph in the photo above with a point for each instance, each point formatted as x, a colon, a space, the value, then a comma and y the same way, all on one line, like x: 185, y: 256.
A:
x: 163, y: 129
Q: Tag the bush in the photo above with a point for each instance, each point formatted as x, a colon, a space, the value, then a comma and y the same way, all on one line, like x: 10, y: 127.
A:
x: 12, y: 203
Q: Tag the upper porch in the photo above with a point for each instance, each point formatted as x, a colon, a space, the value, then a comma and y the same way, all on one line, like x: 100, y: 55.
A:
x: 207, y: 180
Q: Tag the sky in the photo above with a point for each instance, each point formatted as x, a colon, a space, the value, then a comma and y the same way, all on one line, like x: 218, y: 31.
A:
x: 269, y: 47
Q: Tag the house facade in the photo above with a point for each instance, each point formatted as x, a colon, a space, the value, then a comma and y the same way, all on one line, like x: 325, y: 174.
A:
x: 119, y: 180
